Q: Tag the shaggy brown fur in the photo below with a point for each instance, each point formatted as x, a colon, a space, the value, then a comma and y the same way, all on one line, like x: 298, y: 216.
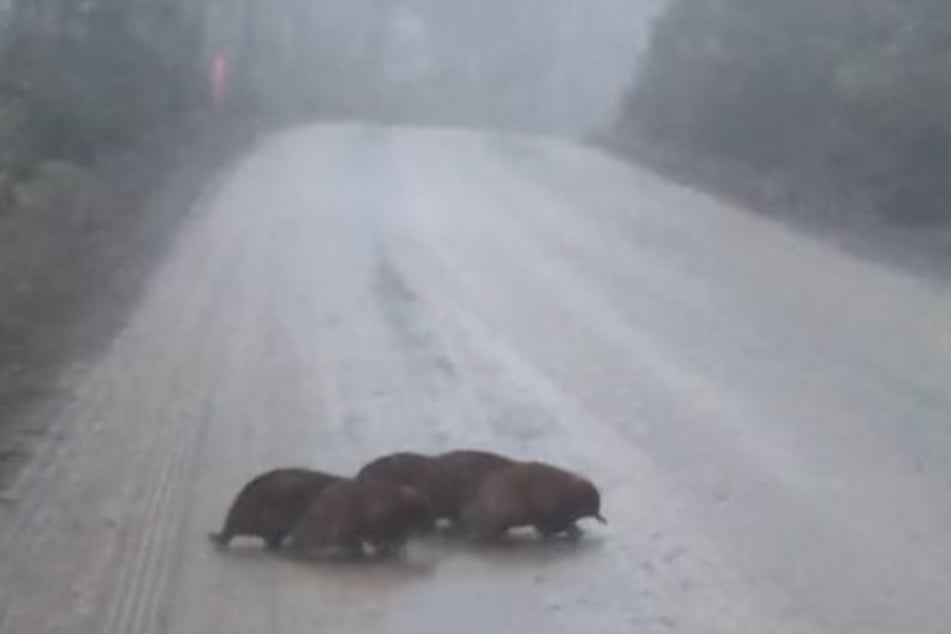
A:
x: 415, y: 470
x: 271, y: 504
x: 532, y: 494
x: 465, y: 470
x: 350, y: 513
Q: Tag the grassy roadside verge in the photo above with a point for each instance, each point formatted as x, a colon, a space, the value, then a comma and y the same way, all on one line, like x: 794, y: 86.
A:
x: 76, y: 247
x: 920, y: 249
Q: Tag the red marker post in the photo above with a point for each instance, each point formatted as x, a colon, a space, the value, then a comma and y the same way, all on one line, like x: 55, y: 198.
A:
x: 219, y: 78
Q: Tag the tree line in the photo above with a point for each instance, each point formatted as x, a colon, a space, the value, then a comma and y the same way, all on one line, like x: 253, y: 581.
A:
x: 846, y: 101
x: 79, y: 78
x: 82, y: 77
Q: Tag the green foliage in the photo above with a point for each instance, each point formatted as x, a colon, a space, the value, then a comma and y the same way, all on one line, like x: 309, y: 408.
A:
x: 851, y: 97
x: 14, y: 143
x: 80, y: 78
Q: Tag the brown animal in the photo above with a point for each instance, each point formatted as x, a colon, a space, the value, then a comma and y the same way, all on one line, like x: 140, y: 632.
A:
x: 271, y: 504
x: 533, y: 494
x: 465, y: 470
x: 417, y: 471
x: 351, y: 513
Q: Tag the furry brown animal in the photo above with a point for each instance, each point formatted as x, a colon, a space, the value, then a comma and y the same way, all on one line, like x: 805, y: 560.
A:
x: 418, y: 471
x: 534, y: 494
x: 271, y: 504
x: 351, y: 513
x: 465, y: 470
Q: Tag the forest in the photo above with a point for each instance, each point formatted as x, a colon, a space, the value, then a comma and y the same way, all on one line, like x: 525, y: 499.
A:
x: 110, y: 126
x: 842, y: 107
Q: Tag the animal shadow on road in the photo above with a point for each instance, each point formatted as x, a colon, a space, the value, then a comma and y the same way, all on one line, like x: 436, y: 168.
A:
x: 407, y: 564
x: 517, y: 547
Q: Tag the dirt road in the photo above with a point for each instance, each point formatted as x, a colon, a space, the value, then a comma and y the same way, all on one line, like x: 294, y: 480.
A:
x: 768, y: 418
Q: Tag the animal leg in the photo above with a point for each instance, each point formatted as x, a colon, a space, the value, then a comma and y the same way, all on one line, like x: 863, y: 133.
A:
x: 222, y: 539
x: 546, y: 531
x: 550, y: 531
x: 489, y: 535
x: 573, y: 531
x: 274, y: 541
x: 455, y: 526
x: 385, y: 549
x: 355, y: 550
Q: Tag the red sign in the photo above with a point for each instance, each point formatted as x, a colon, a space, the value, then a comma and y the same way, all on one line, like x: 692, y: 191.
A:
x: 219, y: 77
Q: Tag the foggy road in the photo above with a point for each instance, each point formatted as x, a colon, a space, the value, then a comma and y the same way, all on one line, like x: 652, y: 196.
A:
x: 767, y: 417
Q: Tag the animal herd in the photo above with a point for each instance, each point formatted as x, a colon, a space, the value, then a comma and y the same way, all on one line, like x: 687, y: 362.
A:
x: 479, y: 494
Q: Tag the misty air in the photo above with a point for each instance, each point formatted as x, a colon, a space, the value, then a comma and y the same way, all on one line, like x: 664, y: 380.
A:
x: 421, y: 316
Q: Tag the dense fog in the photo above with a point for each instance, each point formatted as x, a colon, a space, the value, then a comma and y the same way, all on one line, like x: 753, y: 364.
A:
x: 556, y: 66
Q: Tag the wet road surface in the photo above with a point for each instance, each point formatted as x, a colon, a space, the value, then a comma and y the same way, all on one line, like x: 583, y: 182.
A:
x: 768, y: 418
